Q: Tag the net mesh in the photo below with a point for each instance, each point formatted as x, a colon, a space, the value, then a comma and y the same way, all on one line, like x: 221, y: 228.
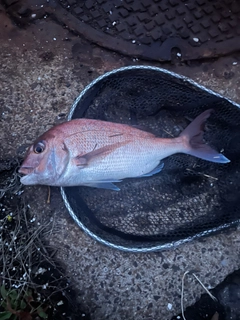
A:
x: 189, y: 196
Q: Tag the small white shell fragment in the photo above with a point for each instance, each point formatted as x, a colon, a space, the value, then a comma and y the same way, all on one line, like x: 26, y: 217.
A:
x: 169, y: 306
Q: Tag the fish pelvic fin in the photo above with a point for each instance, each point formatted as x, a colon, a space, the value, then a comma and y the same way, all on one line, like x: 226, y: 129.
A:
x: 193, y: 140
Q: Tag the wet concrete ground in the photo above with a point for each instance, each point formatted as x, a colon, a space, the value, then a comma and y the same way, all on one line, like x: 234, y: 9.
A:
x: 43, y: 69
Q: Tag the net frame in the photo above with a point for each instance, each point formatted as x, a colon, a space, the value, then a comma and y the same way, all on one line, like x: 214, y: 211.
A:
x: 136, y: 246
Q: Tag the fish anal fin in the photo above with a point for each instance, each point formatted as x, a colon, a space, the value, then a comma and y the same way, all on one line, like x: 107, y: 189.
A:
x: 103, y: 185
x: 154, y: 171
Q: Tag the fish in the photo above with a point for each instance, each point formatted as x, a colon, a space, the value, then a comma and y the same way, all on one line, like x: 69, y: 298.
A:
x: 95, y: 153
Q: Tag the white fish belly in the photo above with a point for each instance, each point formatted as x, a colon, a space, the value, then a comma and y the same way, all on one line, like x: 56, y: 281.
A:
x: 129, y: 161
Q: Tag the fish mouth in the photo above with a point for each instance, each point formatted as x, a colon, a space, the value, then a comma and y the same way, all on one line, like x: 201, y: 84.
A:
x: 28, y: 175
x: 26, y: 170
x: 28, y: 179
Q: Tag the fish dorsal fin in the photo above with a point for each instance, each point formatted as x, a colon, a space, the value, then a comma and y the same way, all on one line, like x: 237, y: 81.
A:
x: 84, y: 159
x: 110, y: 133
x: 143, y: 128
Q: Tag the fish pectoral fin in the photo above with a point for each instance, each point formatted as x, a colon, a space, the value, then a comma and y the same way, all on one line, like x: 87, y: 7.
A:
x: 154, y: 171
x: 104, y: 185
x: 84, y: 159
x: 80, y: 161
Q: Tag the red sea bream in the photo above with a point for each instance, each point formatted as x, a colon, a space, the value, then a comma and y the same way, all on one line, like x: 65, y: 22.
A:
x: 94, y: 153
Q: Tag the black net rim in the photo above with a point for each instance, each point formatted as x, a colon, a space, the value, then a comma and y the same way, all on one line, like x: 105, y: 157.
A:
x: 170, y: 244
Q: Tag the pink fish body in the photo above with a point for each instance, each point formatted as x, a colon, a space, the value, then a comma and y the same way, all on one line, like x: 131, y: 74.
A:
x: 97, y: 153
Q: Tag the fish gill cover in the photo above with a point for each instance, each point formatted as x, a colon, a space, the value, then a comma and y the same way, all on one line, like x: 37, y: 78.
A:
x: 190, y: 197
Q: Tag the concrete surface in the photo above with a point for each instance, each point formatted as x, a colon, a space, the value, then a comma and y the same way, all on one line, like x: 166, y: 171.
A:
x: 43, y: 68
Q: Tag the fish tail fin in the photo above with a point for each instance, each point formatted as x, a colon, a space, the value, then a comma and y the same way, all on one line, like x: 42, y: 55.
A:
x: 193, y: 140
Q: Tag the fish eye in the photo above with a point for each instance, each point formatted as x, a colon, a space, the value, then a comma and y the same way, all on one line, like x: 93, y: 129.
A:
x: 39, y: 147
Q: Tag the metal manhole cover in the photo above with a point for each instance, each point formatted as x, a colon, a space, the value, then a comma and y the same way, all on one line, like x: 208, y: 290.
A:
x: 161, y: 30
x: 157, y: 29
x: 191, y: 197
